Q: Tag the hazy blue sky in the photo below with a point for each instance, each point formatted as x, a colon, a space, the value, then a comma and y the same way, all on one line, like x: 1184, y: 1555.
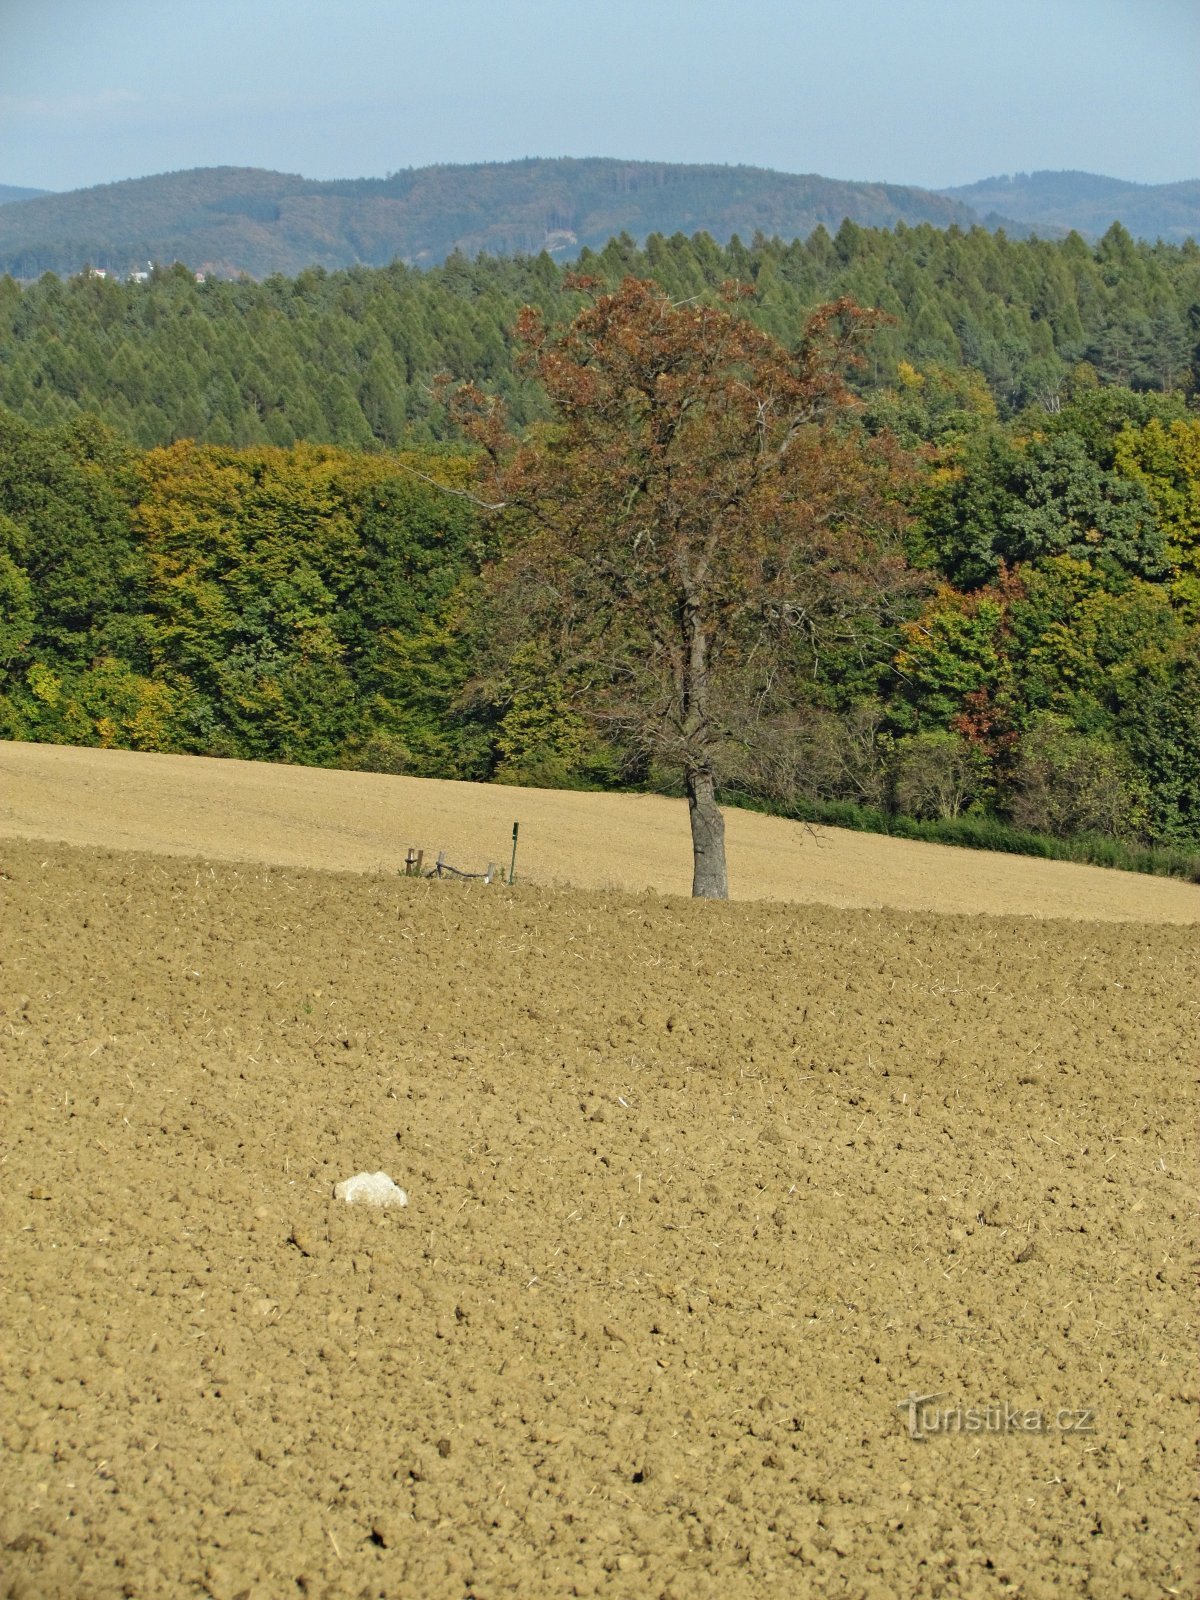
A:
x: 932, y: 92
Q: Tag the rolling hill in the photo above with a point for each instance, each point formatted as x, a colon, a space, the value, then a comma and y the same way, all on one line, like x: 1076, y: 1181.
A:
x: 287, y: 816
x: 231, y: 220
x: 10, y: 192
x: 234, y: 221
x: 1088, y: 203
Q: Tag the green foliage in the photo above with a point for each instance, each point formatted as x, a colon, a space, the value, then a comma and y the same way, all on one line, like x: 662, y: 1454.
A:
x: 292, y: 588
x: 541, y: 740
x: 423, y: 700
x: 937, y: 407
x: 954, y: 650
x: 1066, y: 782
x: 301, y: 605
x: 985, y: 833
x: 18, y: 610
x: 1079, y: 646
x: 1062, y: 503
x: 1163, y: 458
x: 939, y: 774
x: 1002, y: 501
x: 348, y: 357
x: 65, y: 500
x: 1161, y: 730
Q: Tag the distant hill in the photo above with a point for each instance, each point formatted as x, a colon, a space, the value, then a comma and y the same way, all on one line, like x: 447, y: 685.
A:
x: 231, y: 220
x: 10, y: 192
x: 1089, y: 203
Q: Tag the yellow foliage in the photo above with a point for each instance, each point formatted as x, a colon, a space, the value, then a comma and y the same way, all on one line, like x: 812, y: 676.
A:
x: 1165, y: 460
x: 44, y: 684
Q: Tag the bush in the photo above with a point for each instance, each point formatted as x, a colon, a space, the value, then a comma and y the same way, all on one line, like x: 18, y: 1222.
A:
x: 1065, y: 782
x: 938, y: 775
x: 376, y: 752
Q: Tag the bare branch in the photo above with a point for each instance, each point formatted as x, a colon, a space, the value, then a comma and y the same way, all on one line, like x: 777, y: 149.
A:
x: 459, y: 494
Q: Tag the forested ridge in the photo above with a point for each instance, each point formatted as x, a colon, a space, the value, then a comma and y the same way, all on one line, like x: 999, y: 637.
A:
x: 231, y: 221
x: 348, y: 358
x: 245, y: 221
x: 10, y: 192
x: 1086, y: 201
x: 222, y: 531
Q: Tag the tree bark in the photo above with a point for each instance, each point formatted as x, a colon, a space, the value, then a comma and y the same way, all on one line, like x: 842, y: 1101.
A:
x: 709, y: 878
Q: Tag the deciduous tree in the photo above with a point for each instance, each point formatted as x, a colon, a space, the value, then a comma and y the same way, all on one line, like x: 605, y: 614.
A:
x: 699, y: 522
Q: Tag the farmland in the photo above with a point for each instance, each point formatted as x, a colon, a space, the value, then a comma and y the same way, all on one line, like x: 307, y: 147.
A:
x: 699, y: 1194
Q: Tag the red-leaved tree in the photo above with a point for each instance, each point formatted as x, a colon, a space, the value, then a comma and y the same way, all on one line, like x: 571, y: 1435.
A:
x: 700, y: 521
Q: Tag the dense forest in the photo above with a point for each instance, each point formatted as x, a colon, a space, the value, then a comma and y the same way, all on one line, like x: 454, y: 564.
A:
x: 349, y: 358
x: 319, y: 604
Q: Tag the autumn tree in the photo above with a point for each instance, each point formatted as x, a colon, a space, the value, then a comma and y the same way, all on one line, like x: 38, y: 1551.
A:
x: 698, y: 523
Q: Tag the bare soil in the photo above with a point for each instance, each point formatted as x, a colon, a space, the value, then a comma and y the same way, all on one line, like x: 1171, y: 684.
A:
x: 362, y: 821
x: 698, y: 1195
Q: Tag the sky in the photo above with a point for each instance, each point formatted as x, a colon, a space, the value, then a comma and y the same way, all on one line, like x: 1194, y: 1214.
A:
x: 927, y: 92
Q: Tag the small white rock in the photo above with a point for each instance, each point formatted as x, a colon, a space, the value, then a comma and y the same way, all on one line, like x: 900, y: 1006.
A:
x: 370, y: 1189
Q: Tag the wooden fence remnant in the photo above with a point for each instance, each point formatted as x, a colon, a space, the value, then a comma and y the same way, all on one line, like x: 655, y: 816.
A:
x: 414, y: 868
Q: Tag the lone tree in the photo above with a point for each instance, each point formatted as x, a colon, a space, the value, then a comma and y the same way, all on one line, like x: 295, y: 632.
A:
x: 699, y: 521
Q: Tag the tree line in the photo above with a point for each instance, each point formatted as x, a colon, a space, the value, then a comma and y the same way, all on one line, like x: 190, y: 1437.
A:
x: 349, y: 358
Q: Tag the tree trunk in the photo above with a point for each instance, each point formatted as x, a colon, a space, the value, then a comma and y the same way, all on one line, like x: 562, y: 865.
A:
x: 709, y: 879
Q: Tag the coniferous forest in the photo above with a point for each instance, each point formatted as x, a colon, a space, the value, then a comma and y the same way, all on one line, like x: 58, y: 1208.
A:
x: 222, y: 529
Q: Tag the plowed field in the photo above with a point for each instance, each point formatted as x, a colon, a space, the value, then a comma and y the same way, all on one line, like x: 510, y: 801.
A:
x: 699, y: 1197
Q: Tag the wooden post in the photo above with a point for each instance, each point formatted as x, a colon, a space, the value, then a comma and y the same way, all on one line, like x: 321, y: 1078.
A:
x: 441, y: 862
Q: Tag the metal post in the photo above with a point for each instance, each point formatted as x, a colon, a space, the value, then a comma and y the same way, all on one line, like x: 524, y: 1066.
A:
x: 512, y: 871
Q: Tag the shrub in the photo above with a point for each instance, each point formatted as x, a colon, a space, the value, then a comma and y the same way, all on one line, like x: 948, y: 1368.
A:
x: 1065, y: 782
x: 938, y: 775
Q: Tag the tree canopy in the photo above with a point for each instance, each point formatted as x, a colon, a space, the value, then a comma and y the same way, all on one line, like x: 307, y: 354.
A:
x: 348, y: 357
x: 698, y: 521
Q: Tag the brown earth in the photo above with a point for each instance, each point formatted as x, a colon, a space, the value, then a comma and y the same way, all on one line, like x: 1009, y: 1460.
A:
x: 698, y: 1193
x: 362, y: 821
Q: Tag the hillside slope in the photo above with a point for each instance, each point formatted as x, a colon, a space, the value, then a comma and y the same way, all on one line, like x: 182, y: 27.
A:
x: 234, y: 220
x: 1088, y: 203
x: 359, y: 821
x: 10, y: 192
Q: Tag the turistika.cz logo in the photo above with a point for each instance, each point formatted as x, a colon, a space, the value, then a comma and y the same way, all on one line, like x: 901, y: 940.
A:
x: 925, y: 1418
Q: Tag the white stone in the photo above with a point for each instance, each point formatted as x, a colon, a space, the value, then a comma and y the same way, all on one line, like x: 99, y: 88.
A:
x: 370, y: 1189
